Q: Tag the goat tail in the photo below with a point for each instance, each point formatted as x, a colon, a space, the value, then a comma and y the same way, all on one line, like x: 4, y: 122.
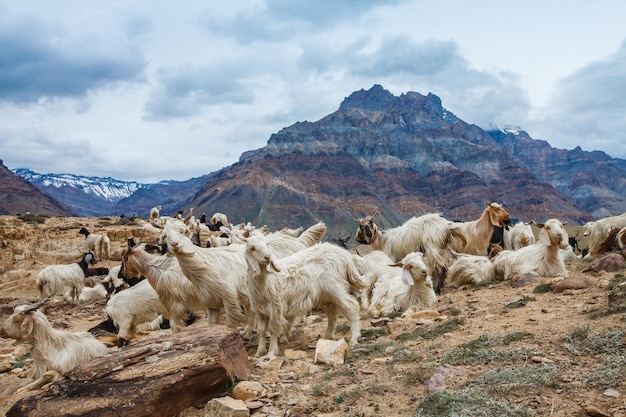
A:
x: 355, y: 279
x: 313, y: 234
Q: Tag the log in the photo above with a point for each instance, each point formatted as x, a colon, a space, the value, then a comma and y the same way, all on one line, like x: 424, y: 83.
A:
x: 157, y: 376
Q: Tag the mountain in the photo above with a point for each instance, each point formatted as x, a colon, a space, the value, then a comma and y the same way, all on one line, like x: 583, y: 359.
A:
x: 98, y: 196
x: 397, y: 156
x: 18, y: 196
x: 404, y: 156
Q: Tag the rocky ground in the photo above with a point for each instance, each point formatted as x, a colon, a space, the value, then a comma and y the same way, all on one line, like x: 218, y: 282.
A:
x: 498, y: 349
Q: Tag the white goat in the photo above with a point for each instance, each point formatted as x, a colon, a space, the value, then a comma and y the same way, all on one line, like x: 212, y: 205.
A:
x: 599, y: 229
x: 54, y: 352
x: 409, y: 286
x: 68, y: 280
x: 176, y: 293
x: 99, y: 244
x: 265, y: 293
x: 568, y: 254
x: 470, y: 269
x: 319, y: 276
x: 373, y: 266
x: 217, y: 274
x: 541, y: 259
x: 519, y: 235
x: 106, y: 287
x: 133, y: 307
x: 291, y: 231
x: 219, y: 217
x: 477, y: 233
x: 429, y: 234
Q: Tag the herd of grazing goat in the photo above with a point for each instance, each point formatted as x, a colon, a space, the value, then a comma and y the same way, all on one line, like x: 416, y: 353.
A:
x: 264, y: 282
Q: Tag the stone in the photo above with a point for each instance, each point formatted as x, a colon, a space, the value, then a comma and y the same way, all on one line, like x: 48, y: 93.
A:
x: 292, y: 354
x: 331, y: 352
x: 518, y: 281
x: 572, y: 283
x: 226, y: 407
x: 611, y: 393
x: 247, y: 390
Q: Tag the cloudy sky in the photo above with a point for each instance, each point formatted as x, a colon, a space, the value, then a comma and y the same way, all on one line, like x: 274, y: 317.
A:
x: 157, y: 90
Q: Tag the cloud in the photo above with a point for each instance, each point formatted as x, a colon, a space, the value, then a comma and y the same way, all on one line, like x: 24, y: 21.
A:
x: 589, y: 106
x: 278, y: 20
x: 41, y: 61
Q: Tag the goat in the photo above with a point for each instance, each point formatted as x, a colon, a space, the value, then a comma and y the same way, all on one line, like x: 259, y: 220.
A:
x: 608, y: 244
x: 176, y: 293
x: 265, y: 294
x: 319, y: 276
x: 218, y: 274
x: 107, y: 286
x: 518, y: 236
x: 130, y: 308
x: 573, y: 242
x: 470, y: 269
x: 67, y: 280
x: 541, y: 259
x: 598, y: 229
x: 429, y: 234
x: 342, y: 242
x: 99, y: 244
x: 409, y: 286
x: 478, y: 232
x: 373, y: 267
x: 54, y: 352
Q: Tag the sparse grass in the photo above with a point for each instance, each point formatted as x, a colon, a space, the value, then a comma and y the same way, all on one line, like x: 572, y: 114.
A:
x: 543, y: 288
x: 485, y: 349
x: 33, y: 218
x: 342, y: 328
x: 419, y: 375
x: 373, y: 333
x: 432, y: 333
x: 523, y: 380
x: 616, y: 299
x: 19, y: 363
x: 517, y: 304
x: 465, y: 403
x: 454, y: 311
x: 516, y: 336
x: 362, y: 350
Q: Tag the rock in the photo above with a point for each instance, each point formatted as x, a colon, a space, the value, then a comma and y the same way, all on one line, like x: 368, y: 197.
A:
x: 247, y: 390
x: 611, y: 393
x: 607, y: 263
x: 331, y: 352
x: 541, y: 359
x: 156, y: 377
x: 226, y: 407
x: 572, y: 283
x: 381, y: 322
x: 518, y: 281
x: 437, y: 382
x: 293, y: 355
x: 594, y: 411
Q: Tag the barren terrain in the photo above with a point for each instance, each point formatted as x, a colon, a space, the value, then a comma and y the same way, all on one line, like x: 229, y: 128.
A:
x: 494, y: 350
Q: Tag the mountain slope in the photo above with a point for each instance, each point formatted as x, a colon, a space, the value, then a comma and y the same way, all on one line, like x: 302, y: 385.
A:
x: 18, y: 196
x: 378, y: 153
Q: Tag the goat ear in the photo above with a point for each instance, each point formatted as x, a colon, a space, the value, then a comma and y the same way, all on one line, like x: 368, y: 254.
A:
x: 407, y: 278
x: 273, y: 265
x: 26, y: 329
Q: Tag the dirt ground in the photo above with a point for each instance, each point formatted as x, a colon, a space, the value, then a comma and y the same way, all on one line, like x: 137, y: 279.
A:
x: 495, y: 350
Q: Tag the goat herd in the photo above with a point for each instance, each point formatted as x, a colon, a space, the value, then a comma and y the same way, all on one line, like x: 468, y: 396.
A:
x: 266, y: 282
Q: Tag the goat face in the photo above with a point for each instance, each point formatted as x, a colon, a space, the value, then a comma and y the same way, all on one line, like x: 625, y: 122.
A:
x: 413, y: 267
x: 498, y: 215
x: 19, y: 325
x: 367, y: 231
x: 553, y: 233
